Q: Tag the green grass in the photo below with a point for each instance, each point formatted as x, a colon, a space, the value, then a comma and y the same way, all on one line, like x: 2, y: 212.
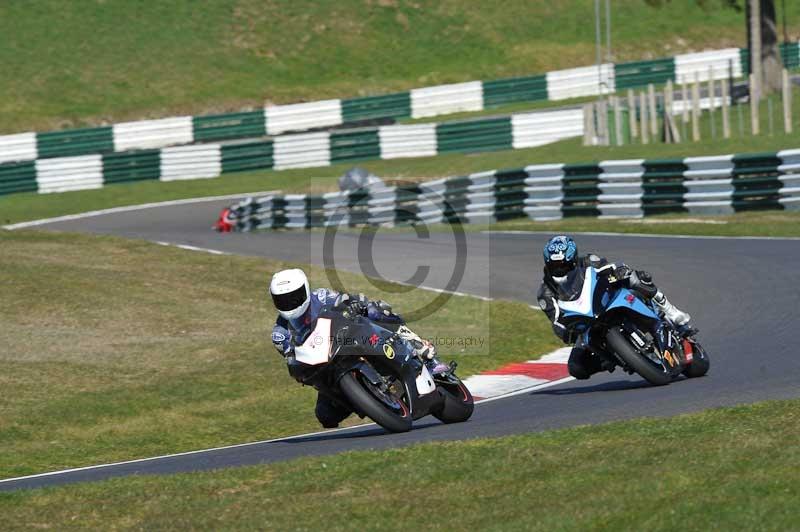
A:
x: 769, y: 223
x: 71, y: 64
x: 723, y: 469
x: 117, y: 349
x: 758, y: 223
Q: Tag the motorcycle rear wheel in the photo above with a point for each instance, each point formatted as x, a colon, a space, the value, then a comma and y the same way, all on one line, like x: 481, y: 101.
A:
x: 355, y: 388
x: 458, y: 402
x: 646, y: 369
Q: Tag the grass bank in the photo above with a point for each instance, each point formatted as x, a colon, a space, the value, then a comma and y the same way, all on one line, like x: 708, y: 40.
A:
x: 117, y: 349
x: 761, y: 223
x: 88, y: 63
x: 721, y: 469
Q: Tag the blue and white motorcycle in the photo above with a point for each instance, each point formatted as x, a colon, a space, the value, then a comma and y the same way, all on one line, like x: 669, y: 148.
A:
x: 625, y: 330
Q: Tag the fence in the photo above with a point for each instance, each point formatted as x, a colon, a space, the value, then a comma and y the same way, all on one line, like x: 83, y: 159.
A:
x: 611, y: 189
x: 316, y: 149
x: 423, y: 102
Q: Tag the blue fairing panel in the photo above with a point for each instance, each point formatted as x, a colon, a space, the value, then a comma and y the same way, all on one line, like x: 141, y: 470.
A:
x: 627, y: 299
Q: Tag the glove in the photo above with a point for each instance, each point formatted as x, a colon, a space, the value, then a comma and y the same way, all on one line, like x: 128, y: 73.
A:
x: 378, y: 310
x: 352, y: 306
x: 622, y: 272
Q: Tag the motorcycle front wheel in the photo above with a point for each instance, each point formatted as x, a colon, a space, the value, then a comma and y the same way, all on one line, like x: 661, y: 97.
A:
x: 700, y: 363
x: 636, y: 361
x: 382, y: 408
x: 458, y: 402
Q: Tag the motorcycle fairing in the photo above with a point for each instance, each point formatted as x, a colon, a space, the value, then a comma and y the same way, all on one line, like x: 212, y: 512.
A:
x: 584, y: 304
x: 352, y: 341
x: 628, y: 300
x: 316, y: 348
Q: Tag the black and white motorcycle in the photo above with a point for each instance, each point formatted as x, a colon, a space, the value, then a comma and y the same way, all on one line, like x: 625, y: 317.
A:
x: 373, y: 371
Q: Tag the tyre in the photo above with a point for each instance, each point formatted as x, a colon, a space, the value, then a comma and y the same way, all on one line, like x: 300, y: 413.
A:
x: 458, y: 402
x: 644, y: 367
x: 383, y: 409
x: 700, y: 362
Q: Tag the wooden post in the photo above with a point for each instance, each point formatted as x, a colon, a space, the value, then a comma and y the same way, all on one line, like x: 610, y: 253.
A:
x: 617, y: 120
x: 669, y: 97
x: 685, y: 102
x: 588, y: 125
x: 632, y: 115
x: 671, y: 131
x: 651, y: 93
x: 756, y: 59
x: 740, y: 119
x: 684, y: 109
x: 643, y: 112
x: 755, y: 126
x: 787, y: 103
x: 726, y: 119
x: 696, y: 108
x: 712, y: 96
x: 602, y: 122
x: 771, y: 122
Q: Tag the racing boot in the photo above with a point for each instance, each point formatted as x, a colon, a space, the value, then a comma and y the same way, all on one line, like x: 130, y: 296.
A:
x: 672, y: 313
x: 424, y: 350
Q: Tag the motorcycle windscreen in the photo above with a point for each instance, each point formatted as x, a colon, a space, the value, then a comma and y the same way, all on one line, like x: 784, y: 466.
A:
x: 317, y: 347
x: 584, y: 304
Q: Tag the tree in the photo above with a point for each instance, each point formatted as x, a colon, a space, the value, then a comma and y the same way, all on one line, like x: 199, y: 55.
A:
x: 771, y: 64
x: 768, y: 51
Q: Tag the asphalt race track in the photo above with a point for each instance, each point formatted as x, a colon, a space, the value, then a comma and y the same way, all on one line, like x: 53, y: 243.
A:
x: 741, y: 293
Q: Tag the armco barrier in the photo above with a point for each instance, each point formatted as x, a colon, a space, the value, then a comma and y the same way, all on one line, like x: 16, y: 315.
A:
x: 303, y: 150
x: 609, y: 189
x: 423, y: 102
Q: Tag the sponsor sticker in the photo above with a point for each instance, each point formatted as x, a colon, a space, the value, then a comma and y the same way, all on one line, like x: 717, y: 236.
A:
x: 388, y: 350
x: 688, y: 351
x: 373, y: 340
x: 669, y: 358
x: 278, y: 337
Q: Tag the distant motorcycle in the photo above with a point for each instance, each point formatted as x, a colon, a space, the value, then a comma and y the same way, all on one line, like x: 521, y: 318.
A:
x: 624, y: 330
x: 374, y: 372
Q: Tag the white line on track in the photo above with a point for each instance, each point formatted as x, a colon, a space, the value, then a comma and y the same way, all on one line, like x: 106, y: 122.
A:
x: 129, y: 208
x: 421, y: 287
x: 193, y: 248
x: 529, y: 389
x: 442, y: 291
x: 643, y: 235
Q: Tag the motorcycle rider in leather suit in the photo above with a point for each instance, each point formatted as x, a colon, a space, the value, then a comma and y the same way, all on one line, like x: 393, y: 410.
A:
x: 298, y: 309
x: 563, y: 269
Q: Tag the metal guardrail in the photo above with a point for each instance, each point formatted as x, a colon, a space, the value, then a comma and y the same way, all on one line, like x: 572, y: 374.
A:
x: 317, y: 149
x: 609, y: 189
x: 428, y: 101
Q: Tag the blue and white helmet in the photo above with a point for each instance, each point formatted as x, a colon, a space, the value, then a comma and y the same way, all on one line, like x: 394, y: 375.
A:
x: 560, y: 257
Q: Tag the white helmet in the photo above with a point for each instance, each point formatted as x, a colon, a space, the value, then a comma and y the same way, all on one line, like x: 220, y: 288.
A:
x: 290, y: 294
